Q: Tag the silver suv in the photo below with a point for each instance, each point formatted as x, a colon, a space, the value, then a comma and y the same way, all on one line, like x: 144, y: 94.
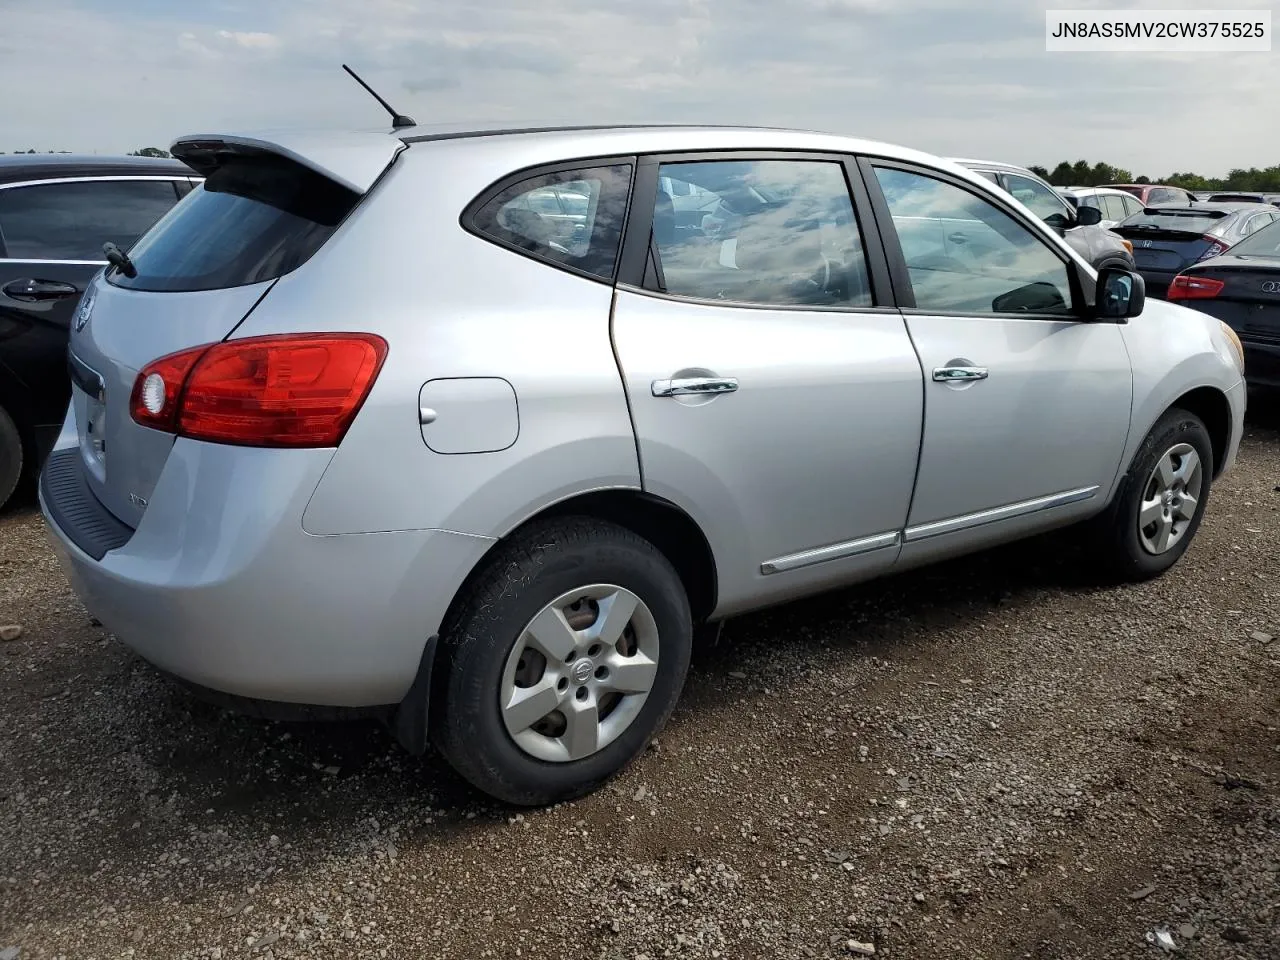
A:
x: 1080, y: 226
x: 358, y: 425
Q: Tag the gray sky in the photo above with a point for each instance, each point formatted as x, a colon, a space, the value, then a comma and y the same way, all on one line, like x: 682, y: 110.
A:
x: 969, y: 79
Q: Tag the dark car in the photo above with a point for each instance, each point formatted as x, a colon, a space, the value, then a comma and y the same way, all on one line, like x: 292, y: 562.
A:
x: 1078, y: 226
x: 1242, y: 289
x: 56, y: 212
x: 1248, y: 197
x: 1167, y: 240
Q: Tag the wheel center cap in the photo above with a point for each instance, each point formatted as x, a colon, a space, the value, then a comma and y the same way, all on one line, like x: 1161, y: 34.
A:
x: 1168, y: 498
x: 580, y: 672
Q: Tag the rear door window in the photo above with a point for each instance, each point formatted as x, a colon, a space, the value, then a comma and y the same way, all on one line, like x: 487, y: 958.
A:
x: 570, y: 218
x: 1255, y: 223
x: 252, y: 219
x: 73, y: 219
x: 1114, y: 207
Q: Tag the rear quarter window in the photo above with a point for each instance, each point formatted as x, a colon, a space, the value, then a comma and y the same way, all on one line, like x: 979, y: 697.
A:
x: 252, y: 219
x: 570, y: 218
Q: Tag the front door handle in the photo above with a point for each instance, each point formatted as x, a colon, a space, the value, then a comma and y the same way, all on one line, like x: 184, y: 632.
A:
x: 30, y: 290
x: 959, y: 374
x: 694, y: 386
x: 958, y: 238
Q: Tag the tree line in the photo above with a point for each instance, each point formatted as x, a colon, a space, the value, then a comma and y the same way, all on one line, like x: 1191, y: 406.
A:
x: 144, y: 152
x: 1084, y: 174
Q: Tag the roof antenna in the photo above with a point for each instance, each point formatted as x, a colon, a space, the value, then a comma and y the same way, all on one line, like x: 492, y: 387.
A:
x: 398, y: 120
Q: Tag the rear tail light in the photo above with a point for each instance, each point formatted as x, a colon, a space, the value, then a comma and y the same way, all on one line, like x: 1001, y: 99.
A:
x: 1191, y: 287
x: 291, y: 390
x: 1216, y: 246
x: 1128, y: 244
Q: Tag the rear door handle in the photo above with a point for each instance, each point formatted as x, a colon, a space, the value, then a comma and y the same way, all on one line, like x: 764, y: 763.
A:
x: 694, y: 386
x: 30, y: 290
x: 958, y: 238
x: 958, y: 374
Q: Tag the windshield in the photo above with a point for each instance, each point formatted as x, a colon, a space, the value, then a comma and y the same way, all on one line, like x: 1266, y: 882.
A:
x: 1265, y: 243
x: 252, y: 220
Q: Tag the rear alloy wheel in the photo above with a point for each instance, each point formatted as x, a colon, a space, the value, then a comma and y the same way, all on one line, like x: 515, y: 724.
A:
x: 11, y: 457
x: 563, y: 661
x: 579, y: 673
x: 1161, y: 500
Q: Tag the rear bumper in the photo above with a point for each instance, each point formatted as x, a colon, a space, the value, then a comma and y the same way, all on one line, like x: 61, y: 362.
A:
x: 1238, y: 399
x: 1261, y: 363
x: 220, y: 586
x: 1157, y: 281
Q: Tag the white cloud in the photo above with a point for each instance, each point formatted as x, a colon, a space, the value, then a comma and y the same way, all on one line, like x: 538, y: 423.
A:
x: 250, y: 40
x: 943, y: 75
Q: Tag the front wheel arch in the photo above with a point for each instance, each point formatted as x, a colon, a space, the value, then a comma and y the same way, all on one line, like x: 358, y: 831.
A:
x: 1214, y: 410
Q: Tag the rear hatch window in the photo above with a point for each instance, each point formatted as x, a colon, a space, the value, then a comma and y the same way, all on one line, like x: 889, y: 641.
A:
x: 253, y: 219
x: 1182, y: 224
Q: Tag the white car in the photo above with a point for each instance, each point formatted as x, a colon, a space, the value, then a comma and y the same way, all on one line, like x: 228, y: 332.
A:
x: 1115, y: 205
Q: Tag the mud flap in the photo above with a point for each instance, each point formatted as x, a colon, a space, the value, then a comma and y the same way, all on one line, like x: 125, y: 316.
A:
x: 410, y: 722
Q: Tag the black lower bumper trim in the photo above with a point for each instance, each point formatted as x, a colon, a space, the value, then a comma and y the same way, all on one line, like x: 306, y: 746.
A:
x: 72, y: 506
x: 277, y: 710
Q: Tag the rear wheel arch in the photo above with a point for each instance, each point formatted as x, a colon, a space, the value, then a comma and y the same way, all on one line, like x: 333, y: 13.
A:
x: 662, y: 523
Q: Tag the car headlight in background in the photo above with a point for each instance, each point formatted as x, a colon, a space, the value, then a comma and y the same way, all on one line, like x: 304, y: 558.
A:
x: 1234, y: 339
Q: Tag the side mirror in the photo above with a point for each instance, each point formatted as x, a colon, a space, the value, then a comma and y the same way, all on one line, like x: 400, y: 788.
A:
x: 1118, y: 295
x: 1060, y: 221
x: 1088, y: 216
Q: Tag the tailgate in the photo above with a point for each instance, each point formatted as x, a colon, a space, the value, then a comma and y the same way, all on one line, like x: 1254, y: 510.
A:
x: 261, y: 212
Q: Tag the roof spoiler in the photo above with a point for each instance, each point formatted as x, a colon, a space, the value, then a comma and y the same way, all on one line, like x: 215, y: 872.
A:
x: 355, y: 161
x: 1193, y: 210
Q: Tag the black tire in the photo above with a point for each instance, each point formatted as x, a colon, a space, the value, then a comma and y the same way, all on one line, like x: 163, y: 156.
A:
x: 1116, y: 539
x: 11, y: 457
x: 522, y: 576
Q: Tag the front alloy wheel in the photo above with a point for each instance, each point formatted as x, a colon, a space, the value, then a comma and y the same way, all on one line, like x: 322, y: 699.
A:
x: 1160, y: 502
x: 1170, y: 499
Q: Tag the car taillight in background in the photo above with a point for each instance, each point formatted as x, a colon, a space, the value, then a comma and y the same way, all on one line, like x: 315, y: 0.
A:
x: 1216, y: 246
x: 1191, y: 287
x: 290, y: 390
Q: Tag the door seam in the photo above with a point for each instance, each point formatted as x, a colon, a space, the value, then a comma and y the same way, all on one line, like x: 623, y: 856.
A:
x: 626, y: 393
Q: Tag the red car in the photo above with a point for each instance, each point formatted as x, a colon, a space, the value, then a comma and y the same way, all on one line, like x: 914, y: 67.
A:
x: 1155, y: 194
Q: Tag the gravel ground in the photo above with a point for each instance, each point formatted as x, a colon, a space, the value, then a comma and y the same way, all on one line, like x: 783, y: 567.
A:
x: 992, y: 758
